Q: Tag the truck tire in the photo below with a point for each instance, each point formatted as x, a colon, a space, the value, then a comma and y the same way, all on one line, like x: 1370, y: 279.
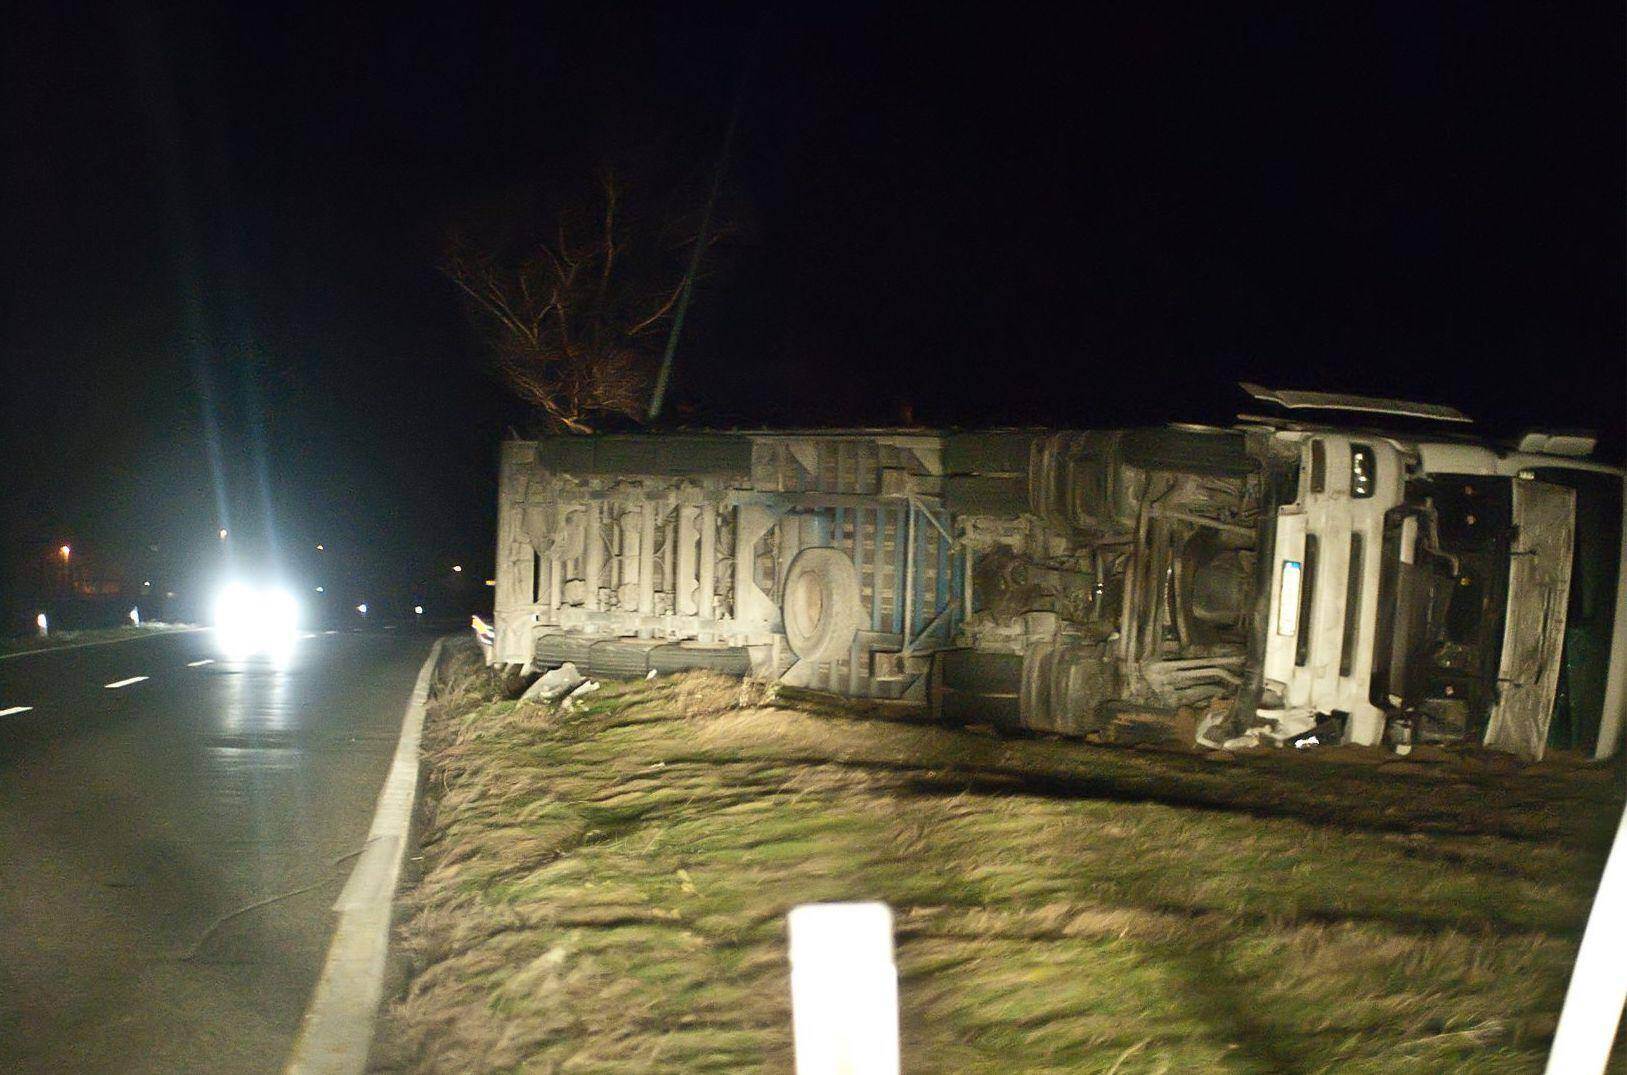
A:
x: 620, y: 658
x: 554, y: 650
x: 821, y: 609
x: 682, y: 656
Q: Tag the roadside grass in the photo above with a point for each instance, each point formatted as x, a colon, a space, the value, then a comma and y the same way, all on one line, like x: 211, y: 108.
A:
x: 58, y: 639
x: 604, y: 889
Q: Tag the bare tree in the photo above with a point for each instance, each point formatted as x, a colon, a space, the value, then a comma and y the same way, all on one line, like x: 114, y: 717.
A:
x: 574, y: 302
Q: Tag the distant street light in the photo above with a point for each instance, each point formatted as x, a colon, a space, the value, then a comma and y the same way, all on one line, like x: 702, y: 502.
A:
x: 418, y: 610
x: 320, y: 547
x: 491, y: 582
x: 223, y: 533
x: 40, y: 622
x: 66, y: 551
x: 362, y: 608
x: 135, y: 617
x: 457, y: 567
x: 320, y: 590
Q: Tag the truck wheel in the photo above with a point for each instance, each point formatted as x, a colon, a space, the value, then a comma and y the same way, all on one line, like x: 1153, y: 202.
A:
x: 681, y: 656
x: 553, y: 650
x: 821, y: 607
x: 620, y: 658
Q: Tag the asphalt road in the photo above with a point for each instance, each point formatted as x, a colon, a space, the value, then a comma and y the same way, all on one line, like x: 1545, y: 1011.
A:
x: 140, y: 825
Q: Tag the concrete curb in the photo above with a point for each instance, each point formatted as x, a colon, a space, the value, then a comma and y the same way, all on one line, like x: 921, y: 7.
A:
x: 338, y: 1027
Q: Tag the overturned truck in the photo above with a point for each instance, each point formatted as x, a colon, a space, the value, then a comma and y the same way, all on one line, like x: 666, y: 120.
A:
x: 1288, y: 578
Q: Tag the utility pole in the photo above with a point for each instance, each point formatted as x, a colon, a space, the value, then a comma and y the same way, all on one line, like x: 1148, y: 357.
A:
x: 665, y: 375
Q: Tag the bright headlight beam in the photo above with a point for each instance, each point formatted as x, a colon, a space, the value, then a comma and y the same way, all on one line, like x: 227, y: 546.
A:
x: 250, y: 621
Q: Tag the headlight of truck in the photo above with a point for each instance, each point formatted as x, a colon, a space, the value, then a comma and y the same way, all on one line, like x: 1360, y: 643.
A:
x: 1288, y: 594
x: 1363, y: 469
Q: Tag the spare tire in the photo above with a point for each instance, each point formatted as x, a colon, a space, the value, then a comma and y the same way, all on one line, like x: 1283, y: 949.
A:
x: 821, y: 609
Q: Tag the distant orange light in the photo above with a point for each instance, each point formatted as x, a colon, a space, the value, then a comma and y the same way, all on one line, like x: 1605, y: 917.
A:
x: 66, y: 552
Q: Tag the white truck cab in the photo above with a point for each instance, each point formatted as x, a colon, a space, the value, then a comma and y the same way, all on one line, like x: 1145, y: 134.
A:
x: 1324, y: 588
x: 1424, y: 586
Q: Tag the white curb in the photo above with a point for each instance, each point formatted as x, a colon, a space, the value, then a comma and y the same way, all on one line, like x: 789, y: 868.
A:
x: 338, y: 1026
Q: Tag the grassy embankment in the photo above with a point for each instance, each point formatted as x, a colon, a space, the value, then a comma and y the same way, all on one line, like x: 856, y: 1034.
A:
x: 604, y: 889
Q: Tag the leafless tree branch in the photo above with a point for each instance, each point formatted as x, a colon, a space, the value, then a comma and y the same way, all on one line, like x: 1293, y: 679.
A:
x: 569, y: 320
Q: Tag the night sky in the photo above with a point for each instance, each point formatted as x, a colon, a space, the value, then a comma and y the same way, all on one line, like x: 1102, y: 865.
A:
x: 224, y: 225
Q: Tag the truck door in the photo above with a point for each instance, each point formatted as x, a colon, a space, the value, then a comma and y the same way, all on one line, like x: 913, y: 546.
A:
x: 1544, y: 517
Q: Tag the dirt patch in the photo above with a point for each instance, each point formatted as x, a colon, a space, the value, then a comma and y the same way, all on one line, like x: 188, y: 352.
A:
x: 604, y: 889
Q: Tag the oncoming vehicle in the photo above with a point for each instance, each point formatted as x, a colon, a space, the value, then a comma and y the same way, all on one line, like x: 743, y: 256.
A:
x: 256, y: 621
x: 1288, y: 578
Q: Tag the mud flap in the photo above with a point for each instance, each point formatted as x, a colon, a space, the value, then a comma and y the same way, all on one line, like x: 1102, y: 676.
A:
x: 1534, y: 629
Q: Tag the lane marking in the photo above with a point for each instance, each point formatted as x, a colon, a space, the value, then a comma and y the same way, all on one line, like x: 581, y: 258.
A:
x: 338, y: 1026
x: 123, y: 683
x: 14, y: 710
x: 200, y: 664
x: 104, y: 642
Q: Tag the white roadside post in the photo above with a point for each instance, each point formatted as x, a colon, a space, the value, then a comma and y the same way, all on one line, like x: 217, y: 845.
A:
x: 1593, y: 1003
x: 844, y: 989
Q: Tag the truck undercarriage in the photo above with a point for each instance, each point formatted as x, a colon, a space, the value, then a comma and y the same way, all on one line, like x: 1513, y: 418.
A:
x: 1051, y: 579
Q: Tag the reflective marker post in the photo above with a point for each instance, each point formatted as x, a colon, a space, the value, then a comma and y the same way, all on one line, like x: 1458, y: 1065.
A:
x: 1592, y: 1011
x: 844, y: 989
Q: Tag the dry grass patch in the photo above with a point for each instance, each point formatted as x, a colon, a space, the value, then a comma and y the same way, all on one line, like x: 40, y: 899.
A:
x: 604, y: 889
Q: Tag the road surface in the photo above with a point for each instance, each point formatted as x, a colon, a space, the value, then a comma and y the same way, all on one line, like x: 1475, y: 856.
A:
x: 143, y: 821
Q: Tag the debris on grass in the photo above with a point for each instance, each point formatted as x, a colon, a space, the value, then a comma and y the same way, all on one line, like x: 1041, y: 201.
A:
x: 554, y: 685
x: 605, y: 889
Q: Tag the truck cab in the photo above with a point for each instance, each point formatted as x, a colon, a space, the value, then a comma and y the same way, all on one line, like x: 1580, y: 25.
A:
x: 1429, y: 589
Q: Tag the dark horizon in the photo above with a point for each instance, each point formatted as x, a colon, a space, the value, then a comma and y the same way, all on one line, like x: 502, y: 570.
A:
x: 224, y: 229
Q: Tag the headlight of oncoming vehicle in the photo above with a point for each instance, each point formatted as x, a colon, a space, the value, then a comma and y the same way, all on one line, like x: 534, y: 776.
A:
x: 250, y: 621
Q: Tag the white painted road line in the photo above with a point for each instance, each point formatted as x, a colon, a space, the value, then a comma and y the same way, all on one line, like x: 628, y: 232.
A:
x: 200, y: 664
x: 123, y: 683
x: 15, y: 710
x: 338, y: 1025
